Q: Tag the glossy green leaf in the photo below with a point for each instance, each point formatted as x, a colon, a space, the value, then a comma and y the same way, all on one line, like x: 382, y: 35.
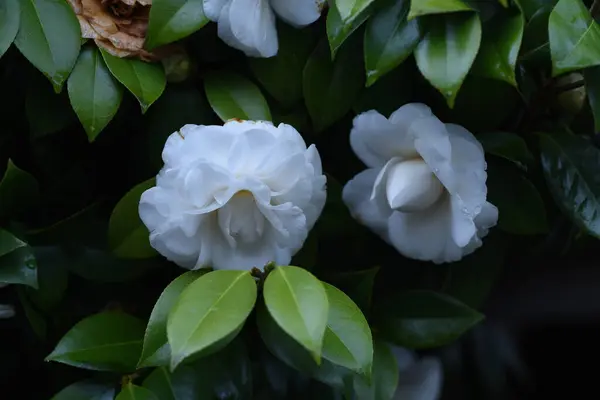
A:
x: 108, y: 341
x: 351, y: 9
x: 133, y: 392
x: 49, y: 37
x: 298, y: 302
x: 497, y: 58
x: 530, y: 7
x: 358, y: 285
x: 17, y: 262
x: 156, y: 350
x: 234, y: 97
x: 425, y: 7
x: 507, y: 145
x: 592, y: 87
x: 209, y: 313
x: 422, y: 319
x: 94, y: 93
x: 574, y: 37
x: 571, y: 165
x: 9, y: 23
x: 171, y: 20
x: 160, y: 383
x: 339, y: 31
x: 144, y: 80
x: 535, y: 48
x: 385, y: 377
x: 347, y: 341
x: 128, y: 237
x: 86, y: 390
x: 521, y: 210
x: 18, y: 190
x: 447, y: 51
x: 389, y: 39
x: 331, y: 87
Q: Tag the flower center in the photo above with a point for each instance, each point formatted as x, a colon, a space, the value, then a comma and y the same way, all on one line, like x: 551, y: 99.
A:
x: 240, y: 219
x: 412, y: 186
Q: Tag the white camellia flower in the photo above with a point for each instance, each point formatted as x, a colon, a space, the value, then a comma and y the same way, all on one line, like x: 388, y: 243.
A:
x: 249, y: 25
x: 420, y: 379
x: 425, y: 189
x: 235, y: 196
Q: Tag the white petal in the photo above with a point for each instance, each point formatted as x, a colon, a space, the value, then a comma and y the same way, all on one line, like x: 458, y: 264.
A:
x: 298, y: 13
x: 287, y: 224
x: 357, y: 197
x: 198, y: 142
x: 423, y: 381
x: 157, y: 205
x: 375, y: 139
x: 408, y: 113
x: 411, y: 186
x: 176, y: 246
x: 404, y: 357
x: 212, y: 8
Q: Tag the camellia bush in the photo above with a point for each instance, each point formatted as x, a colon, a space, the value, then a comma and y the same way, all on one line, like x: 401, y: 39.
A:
x: 262, y: 199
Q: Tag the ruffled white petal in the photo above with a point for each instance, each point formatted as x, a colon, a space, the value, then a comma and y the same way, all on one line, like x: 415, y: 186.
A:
x: 212, y: 8
x: 298, y: 13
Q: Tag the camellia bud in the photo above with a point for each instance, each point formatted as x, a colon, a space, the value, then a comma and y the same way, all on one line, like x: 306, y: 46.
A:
x: 178, y: 66
x: 571, y: 101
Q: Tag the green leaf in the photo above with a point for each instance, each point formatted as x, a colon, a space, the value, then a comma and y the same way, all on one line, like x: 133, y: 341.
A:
x: 389, y: 39
x: 570, y: 164
x: 331, y: 87
x: 53, y: 279
x: 425, y: 7
x: 86, y: 390
x: 358, y: 285
x: 128, y: 237
x: 209, y: 313
x: 497, y: 58
x: 507, y: 145
x: 144, y: 80
x: 574, y: 37
x: 171, y: 20
x: 49, y: 37
x: 385, y: 377
x: 592, y: 87
x: 447, y: 51
x: 298, y: 302
x: 339, y: 31
x: 9, y: 23
x: 159, y: 382
x: 18, y: 191
x: 423, y: 319
x: 281, y: 75
x: 17, y: 262
x: 95, y: 95
x: 133, y: 392
x: 232, y: 96
x: 36, y: 320
x: 535, y: 48
x: 156, y: 350
x: 108, y: 341
x: 347, y: 341
x: 351, y: 9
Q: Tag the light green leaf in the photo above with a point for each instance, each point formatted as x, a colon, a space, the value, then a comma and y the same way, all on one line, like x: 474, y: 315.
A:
x: 423, y: 319
x: 389, y: 39
x: 95, y: 95
x: 507, y: 145
x: 49, y: 37
x: 298, y: 302
x: 18, y: 190
x: 133, y: 392
x: 338, y: 30
x: 446, y: 53
x: 347, y: 341
x: 497, y: 58
x: 592, y: 87
x: 209, y: 313
x: 86, y: 390
x: 425, y: 7
x: 385, y: 377
x: 9, y: 23
x: 351, y: 9
x: 144, y: 80
x: 171, y: 20
x: 574, y: 37
x: 571, y: 164
x: 17, y: 262
x: 160, y: 383
x: 156, y: 350
x: 234, y: 97
x: 108, y: 341
x: 128, y: 237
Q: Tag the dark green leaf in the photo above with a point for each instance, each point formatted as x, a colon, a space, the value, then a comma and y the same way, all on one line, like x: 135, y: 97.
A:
x: 592, y: 86
x: 108, y: 341
x: 351, y: 9
x: 425, y: 7
x: 339, y: 31
x: 331, y: 87
x: 389, y: 39
x: 9, y: 23
x: 209, y: 313
x: 36, y: 320
x: 47, y: 112
x: 86, y: 390
x: 128, y: 237
x: 530, y: 7
x: 447, y: 51
x: 358, y: 285
x: 297, y: 301
x: 144, y: 80
x: 571, y: 165
x: 95, y: 95
x: 234, y: 97
x: 574, y: 37
x: 52, y: 279
x: 49, y: 37
x: 422, y: 319
x: 133, y: 392
x: 535, y: 48
x: 384, y: 380
x: 171, y: 20
x: 159, y: 382
x: 18, y: 190
x: 507, y: 145
x: 156, y: 350
x: 17, y: 262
